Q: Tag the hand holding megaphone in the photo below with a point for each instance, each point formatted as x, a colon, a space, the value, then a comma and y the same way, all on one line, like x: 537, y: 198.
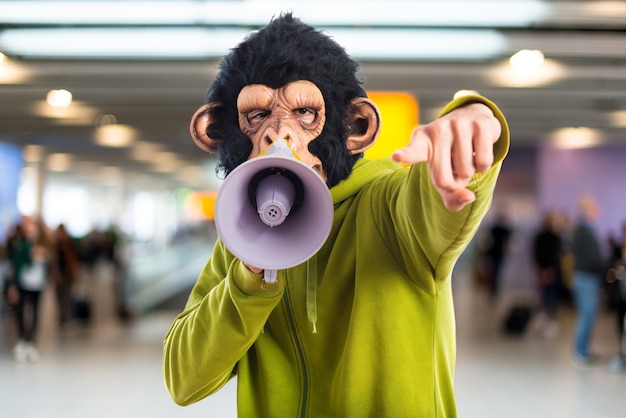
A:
x: 273, y: 212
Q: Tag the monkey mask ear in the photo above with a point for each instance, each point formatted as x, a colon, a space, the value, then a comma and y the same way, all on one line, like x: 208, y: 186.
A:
x: 363, y: 125
x: 199, y: 127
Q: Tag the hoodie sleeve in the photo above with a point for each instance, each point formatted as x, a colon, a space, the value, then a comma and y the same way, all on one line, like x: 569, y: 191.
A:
x: 224, y: 315
x: 426, y: 231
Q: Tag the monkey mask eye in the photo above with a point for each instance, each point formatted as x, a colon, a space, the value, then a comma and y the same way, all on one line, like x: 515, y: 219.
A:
x: 255, y: 118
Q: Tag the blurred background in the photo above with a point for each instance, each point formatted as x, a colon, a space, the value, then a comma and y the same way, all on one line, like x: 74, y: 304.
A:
x: 95, y: 103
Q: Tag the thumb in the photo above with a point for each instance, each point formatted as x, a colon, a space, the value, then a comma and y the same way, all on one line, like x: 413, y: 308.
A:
x: 255, y: 270
x: 418, y: 150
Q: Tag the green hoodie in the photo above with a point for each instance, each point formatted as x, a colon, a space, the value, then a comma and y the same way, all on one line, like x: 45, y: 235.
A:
x: 382, y: 341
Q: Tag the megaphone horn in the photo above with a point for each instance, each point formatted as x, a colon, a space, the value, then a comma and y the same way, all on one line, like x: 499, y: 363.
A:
x: 273, y: 212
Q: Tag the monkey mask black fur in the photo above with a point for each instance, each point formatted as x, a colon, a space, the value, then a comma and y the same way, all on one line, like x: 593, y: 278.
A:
x: 284, y: 51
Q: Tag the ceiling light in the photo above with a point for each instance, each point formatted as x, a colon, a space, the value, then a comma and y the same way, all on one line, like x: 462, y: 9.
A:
x: 166, y: 162
x: 255, y: 12
x: 59, y: 98
x: 507, y: 76
x: 191, y: 175
x: 574, y: 138
x: 32, y: 153
x: 527, y: 60
x: 59, y: 161
x: 144, y: 151
x: 12, y: 72
x: 361, y: 43
x: 166, y: 166
x: 120, y: 42
x: 116, y: 136
x: 166, y: 156
x: 409, y: 44
x: 76, y: 114
x: 596, y: 9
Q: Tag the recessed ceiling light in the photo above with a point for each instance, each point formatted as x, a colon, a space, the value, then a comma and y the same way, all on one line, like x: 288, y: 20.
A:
x: 144, y: 150
x: 13, y: 72
x: 77, y: 114
x: 32, y: 153
x: 507, y: 76
x: 527, y: 60
x: 194, y: 42
x: 116, y: 136
x: 59, y: 161
x: 166, y: 162
x: 576, y: 137
x: 59, y: 98
x: 255, y: 12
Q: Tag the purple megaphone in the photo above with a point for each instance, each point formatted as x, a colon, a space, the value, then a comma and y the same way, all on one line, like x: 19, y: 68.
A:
x: 273, y: 212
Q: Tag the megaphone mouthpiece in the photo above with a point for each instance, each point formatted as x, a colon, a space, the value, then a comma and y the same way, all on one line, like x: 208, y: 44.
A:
x: 275, y: 196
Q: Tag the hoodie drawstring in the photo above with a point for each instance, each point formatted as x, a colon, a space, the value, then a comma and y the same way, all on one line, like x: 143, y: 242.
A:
x: 311, y: 291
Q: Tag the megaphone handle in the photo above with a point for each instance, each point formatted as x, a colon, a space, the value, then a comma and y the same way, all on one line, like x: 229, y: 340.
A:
x: 269, y: 276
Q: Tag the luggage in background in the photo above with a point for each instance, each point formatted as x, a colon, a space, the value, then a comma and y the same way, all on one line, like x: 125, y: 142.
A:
x: 517, y: 319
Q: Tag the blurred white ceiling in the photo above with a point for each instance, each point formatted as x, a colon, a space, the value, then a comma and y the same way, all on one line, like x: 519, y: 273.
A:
x: 146, y: 65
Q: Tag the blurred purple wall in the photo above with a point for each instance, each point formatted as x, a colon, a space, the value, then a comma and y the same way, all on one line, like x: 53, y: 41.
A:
x: 563, y: 175
x: 533, y: 181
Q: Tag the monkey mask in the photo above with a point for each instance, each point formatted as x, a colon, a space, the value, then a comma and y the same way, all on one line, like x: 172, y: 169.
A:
x: 292, y: 82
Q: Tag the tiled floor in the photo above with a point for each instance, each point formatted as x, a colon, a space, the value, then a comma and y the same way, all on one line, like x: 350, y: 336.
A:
x: 111, y: 370
x: 533, y: 375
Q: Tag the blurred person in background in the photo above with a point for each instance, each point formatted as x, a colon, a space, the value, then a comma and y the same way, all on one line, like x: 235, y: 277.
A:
x: 616, y: 290
x: 30, y: 255
x: 5, y: 278
x: 547, y: 257
x: 18, y: 251
x: 117, y: 254
x: 499, y: 237
x: 589, y: 269
x: 66, y: 273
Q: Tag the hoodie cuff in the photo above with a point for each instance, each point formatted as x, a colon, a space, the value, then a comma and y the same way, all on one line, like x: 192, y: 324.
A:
x: 252, y: 284
x: 501, y: 146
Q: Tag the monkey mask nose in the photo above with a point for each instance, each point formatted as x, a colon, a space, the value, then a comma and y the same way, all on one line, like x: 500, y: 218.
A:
x: 282, y: 148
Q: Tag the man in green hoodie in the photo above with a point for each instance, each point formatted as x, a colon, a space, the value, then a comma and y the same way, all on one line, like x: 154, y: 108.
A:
x: 377, y: 338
